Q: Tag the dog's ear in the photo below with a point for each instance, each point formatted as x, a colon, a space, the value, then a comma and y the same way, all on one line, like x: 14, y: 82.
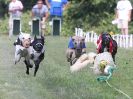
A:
x: 73, y: 38
x: 35, y: 37
x: 42, y: 37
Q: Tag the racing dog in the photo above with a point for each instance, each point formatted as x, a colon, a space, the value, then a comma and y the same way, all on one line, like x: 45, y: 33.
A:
x: 102, y: 62
x: 23, y: 49
x: 106, y: 43
x: 38, y: 52
x: 83, y: 61
x: 76, y: 48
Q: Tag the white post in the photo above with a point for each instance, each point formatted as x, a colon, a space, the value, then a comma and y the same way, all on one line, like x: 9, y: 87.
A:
x: 87, y: 37
x: 92, y: 36
x: 76, y: 31
x: 84, y: 34
x: 113, y: 36
x: 117, y: 39
x: 95, y: 39
x: 131, y: 41
x: 81, y: 32
x: 120, y: 40
x: 126, y: 42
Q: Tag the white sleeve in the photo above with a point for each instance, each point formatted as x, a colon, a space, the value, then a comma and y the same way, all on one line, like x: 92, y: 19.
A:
x: 118, y: 5
x: 21, y: 5
x: 10, y: 7
x: 129, y: 6
x: 46, y: 9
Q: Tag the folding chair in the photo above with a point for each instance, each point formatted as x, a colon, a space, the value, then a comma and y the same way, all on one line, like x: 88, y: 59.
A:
x: 16, y: 26
x: 35, y: 27
x: 56, y: 26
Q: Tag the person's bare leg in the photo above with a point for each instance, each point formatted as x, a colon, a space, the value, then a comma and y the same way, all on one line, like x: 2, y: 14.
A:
x: 122, y: 31
x: 126, y: 31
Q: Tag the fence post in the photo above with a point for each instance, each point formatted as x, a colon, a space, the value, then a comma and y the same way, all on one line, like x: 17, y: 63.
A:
x: 86, y: 38
x: 95, y: 39
x: 113, y: 36
x: 120, y: 40
x: 131, y: 41
x: 126, y: 40
x: 117, y: 39
x: 81, y: 32
x: 91, y: 36
x: 76, y: 31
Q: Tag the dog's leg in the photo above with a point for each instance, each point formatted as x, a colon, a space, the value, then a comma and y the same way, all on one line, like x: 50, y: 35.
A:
x: 73, y: 58
x: 17, y: 56
x: 73, y: 61
x: 28, y: 61
x: 113, y: 56
x: 83, y: 50
x: 18, y: 53
x: 41, y: 57
x: 27, y: 67
x: 36, y: 69
x: 69, y: 53
x: 37, y: 62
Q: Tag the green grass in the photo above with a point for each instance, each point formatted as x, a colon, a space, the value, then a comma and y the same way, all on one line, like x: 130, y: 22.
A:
x: 54, y: 80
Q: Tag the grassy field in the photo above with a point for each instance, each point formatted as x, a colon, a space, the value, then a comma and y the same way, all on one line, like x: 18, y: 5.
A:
x: 54, y: 80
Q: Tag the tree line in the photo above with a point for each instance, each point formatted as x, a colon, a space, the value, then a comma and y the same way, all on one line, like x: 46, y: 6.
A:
x: 83, y: 13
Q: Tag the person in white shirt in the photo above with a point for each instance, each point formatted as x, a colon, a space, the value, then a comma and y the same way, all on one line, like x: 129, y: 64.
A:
x: 15, y: 10
x: 123, y: 15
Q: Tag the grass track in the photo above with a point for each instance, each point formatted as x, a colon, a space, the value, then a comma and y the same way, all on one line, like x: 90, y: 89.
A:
x: 54, y: 80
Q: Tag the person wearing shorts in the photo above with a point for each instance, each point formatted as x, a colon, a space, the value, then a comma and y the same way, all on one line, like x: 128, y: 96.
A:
x: 123, y: 15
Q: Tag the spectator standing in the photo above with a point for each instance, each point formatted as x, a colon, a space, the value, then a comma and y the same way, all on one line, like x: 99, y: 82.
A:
x: 40, y: 11
x: 123, y: 15
x: 15, y: 11
x: 56, y: 7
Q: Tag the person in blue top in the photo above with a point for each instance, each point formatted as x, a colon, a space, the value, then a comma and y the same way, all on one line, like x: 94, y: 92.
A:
x: 56, y: 7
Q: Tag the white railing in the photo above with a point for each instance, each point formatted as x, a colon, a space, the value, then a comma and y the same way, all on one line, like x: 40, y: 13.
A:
x: 125, y: 41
